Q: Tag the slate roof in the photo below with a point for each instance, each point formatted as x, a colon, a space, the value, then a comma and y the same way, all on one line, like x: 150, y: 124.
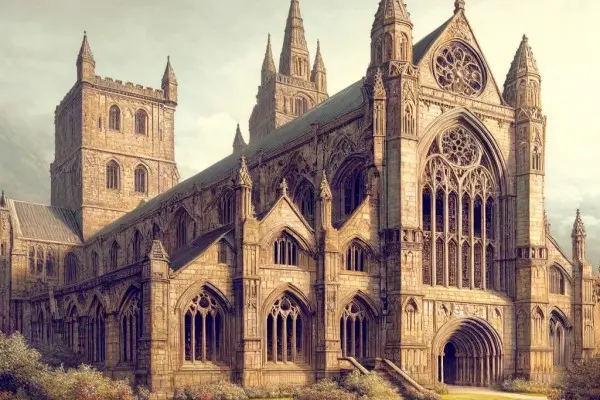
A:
x: 421, y: 47
x: 198, y: 246
x: 345, y: 101
x: 42, y: 222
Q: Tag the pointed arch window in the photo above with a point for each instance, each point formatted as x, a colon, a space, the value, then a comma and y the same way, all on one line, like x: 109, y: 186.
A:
x: 50, y: 263
x: 113, y: 255
x: 354, y: 191
x: 204, y: 330
x: 227, y: 207
x: 452, y: 263
x: 39, y: 260
x: 355, y: 329
x: 96, y: 335
x: 95, y: 264
x: 181, y: 232
x: 137, y: 244
x: 409, y: 120
x: 113, y: 175
x: 71, y: 267
x: 489, y: 267
x: 141, y: 179
x: 287, y: 335
x: 285, y: 251
x: 72, y: 329
x: 225, y: 253
x: 300, y: 105
x: 356, y: 258
x: 130, y: 329
x: 404, y: 46
x: 558, y: 342
x: 557, y: 281
x: 306, y: 203
x: 537, y: 158
x: 114, y: 118
x: 141, y: 122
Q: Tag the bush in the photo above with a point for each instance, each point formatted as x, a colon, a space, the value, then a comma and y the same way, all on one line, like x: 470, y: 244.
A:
x: 440, y: 388
x: 59, y: 355
x: 369, y: 387
x: 23, y: 376
x: 520, y: 385
x: 583, y: 381
x: 325, y: 389
x: 212, y: 391
x: 267, y: 392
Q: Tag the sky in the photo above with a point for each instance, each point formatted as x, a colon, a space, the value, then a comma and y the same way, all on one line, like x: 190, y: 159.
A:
x: 217, y: 48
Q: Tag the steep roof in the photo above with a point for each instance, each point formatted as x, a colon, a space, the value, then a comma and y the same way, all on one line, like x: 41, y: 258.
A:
x: 347, y: 100
x: 42, y: 222
x: 189, y: 252
x: 421, y: 47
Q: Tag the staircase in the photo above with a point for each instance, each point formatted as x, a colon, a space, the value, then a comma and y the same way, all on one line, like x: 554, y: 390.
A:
x: 386, y: 377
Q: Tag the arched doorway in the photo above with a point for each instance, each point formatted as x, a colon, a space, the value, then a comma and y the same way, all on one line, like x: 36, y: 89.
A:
x: 467, y: 351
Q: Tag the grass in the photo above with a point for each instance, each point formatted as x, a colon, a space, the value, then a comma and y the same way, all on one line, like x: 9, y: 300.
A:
x: 478, y: 396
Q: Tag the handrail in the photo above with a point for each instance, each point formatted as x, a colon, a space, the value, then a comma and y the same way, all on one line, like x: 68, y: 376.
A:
x: 403, y: 376
x: 357, y: 366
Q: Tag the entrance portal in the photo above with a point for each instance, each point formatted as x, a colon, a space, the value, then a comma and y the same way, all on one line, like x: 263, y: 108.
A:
x: 468, y: 351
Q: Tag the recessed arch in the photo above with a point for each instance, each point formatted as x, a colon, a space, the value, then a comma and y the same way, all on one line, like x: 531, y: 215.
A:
x: 463, y: 116
x: 274, y: 233
x: 291, y: 289
x: 195, y: 288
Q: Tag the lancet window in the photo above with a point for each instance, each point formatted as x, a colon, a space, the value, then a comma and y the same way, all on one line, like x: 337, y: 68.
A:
x: 130, y: 329
x: 557, y: 281
x: 287, y: 333
x: 226, y: 208
x: 141, y: 122
x: 114, y: 118
x: 285, y: 251
x: 458, y: 213
x: 306, y: 202
x: 136, y: 246
x: 355, y: 329
x: 71, y: 267
x: 353, y: 191
x: 113, y: 255
x: 356, y: 258
x: 558, y: 341
x: 203, y: 330
x: 96, y: 335
x: 71, y: 332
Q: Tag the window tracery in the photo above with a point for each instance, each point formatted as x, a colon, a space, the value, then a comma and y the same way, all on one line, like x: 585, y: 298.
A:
x: 558, y: 342
x: 96, y: 335
x: 130, y: 329
x: 140, y: 179
x: 557, y: 281
x: 354, y: 331
x: 287, y: 335
x: 112, y: 175
x: 226, y: 208
x: 458, y: 69
x: 354, y: 191
x: 114, y: 118
x: 356, y: 258
x: 141, y: 122
x: 458, y: 220
x: 285, y: 251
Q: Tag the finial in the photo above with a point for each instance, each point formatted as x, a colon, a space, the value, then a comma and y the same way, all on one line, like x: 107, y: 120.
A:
x: 168, y: 58
x: 244, y: 178
x: 84, y: 33
x: 578, y: 227
x: 283, y: 187
x: 2, y: 199
x: 525, y: 38
x: 325, y: 189
x: 459, y: 5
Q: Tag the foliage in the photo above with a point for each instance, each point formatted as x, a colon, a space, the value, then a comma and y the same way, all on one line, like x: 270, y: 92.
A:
x: 412, y: 394
x: 520, y: 385
x: 271, y: 392
x: 440, y: 388
x: 325, y: 389
x: 583, y: 381
x: 370, y: 386
x: 212, y: 391
x: 24, y: 376
x: 59, y: 354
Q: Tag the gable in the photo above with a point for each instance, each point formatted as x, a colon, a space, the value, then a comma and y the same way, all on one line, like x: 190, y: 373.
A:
x: 456, y: 29
x: 285, y: 215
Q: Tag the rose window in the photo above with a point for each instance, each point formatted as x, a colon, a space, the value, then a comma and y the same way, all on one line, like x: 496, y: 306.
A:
x: 457, y: 68
x: 459, y: 147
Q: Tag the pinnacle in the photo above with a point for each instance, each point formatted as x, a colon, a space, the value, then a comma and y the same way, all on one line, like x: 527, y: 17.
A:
x: 244, y: 178
x: 325, y: 189
x: 268, y: 63
x: 238, y: 141
x: 459, y: 5
x: 169, y: 74
x: 524, y: 61
x: 294, y: 41
x: 85, y: 51
x: 578, y: 227
x: 2, y: 199
x: 390, y: 11
x: 319, y: 64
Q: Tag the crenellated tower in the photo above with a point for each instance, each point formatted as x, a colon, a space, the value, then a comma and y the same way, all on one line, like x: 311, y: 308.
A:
x: 522, y: 91
x: 295, y: 89
x: 583, y: 304
x: 114, y: 145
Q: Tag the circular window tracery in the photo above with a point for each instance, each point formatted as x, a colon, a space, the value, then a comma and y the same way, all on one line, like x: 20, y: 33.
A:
x: 459, y: 147
x: 458, y: 69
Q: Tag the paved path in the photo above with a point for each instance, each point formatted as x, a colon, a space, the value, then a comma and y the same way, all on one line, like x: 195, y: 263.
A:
x: 478, y: 390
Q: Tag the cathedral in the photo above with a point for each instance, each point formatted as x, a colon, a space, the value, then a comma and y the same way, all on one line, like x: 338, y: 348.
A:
x: 396, y: 226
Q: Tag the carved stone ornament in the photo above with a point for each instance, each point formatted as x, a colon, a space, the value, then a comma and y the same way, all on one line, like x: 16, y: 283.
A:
x: 458, y: 69
x: 459, y: 147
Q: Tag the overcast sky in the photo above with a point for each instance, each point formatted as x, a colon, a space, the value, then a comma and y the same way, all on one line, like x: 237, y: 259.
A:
x: 217, y: 47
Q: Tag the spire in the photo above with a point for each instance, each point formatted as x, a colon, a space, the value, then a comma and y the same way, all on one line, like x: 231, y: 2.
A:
x: 389, y: 12
x: 2, y: 200
x: 319, y: 73
x: 169, y: 74
x: 85, y: 52
x: 294, y: 54
x: 459, y: 5
x: 524, y: 62
x: 239, y: 144
x: 244, y: 178
x: 268, y: 66
x: 578, y: 227
x: 169, y: 83
x: 86, y: 65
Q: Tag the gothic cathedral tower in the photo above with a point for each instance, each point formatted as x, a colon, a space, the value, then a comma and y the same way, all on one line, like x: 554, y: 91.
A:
x: 522, y: 91
x: 295, y: 89
x: 114, y: 145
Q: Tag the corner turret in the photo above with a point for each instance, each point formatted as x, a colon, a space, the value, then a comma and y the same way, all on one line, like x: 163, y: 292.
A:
x: 319, y: 73
x: 86, y: 65
x: 578, y: 236
x: 268, y: 68
x: 169, y: 83
x: 523, y: 81
x: 391, y: 34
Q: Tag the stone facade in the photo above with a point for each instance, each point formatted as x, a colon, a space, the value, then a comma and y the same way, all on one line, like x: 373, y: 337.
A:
x: 401, y: 220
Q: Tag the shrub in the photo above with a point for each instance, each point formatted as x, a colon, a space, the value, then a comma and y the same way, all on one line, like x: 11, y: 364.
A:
x: 267, y: 392
x: 212, y: 391
x: 59, y: 355
x: 440, y: 388
x: 583, y: 381
x: 325, y: 389
x: 369, y: 387
x: 520, y: 385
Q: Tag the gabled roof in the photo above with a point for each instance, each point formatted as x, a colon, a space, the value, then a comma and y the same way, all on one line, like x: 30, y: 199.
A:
x: 46, y: 223
x: 347, y: 100
x: 421, y: 47
x: 191, y: 251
